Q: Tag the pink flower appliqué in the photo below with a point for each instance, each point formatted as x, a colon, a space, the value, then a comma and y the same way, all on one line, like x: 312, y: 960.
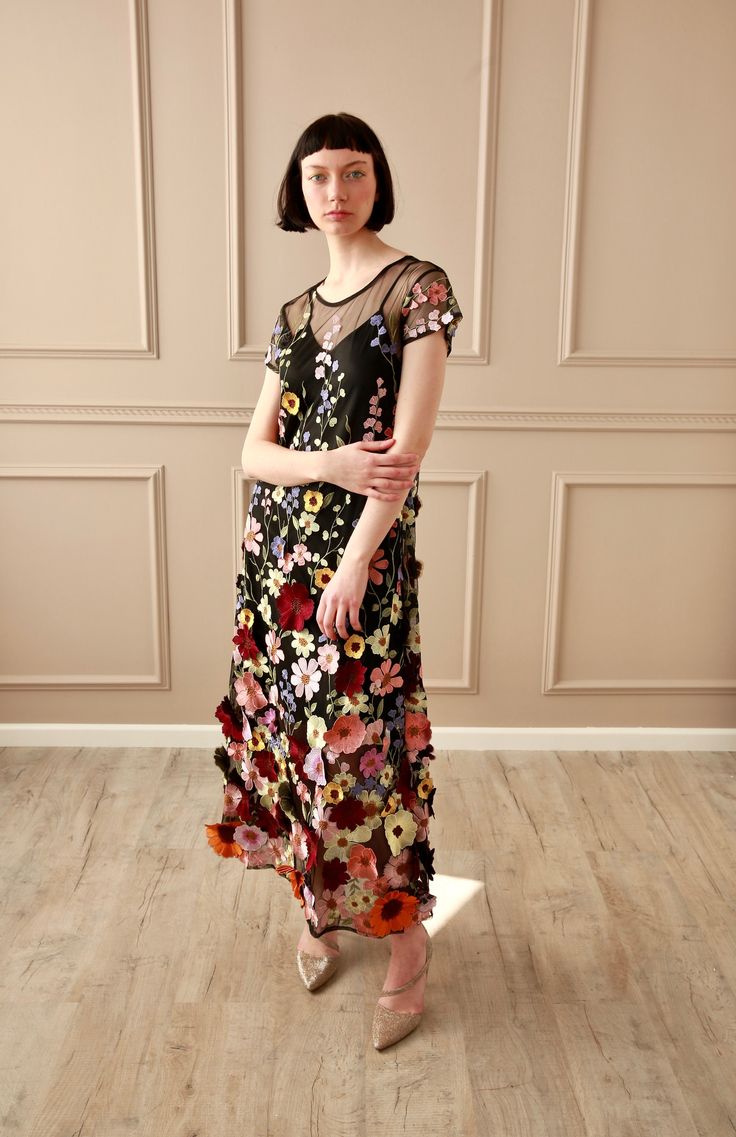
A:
x: 372, y: 762
x: 346, y: 735
x: 416, y: 730
x: 386, y: 678
x: 436, y: 293
x: 418, y: 298
x: 252, y: 536
x: 249, y: 694
x: 249, y: 837
x: 362, y: 863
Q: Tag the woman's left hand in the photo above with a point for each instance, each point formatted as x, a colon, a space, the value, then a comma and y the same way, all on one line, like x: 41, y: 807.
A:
x: 342, y: 598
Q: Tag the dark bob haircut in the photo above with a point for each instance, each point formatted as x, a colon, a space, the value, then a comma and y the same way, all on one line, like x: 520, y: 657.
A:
x: 334, y: 132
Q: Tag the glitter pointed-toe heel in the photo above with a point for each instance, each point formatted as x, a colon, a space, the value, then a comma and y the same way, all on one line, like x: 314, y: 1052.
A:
x: 391, y: 1026
x: 315, y: 970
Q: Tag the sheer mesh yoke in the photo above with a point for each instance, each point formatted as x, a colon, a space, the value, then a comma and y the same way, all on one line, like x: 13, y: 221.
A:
x: 328, y: 751
x: 414, y: 297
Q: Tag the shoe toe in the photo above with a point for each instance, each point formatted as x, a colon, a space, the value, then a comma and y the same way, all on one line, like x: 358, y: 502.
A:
x: 391, y: 1026
x: 315, y: 969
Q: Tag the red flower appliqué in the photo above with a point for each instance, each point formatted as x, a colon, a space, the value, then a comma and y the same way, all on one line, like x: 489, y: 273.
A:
x: 295, y: 606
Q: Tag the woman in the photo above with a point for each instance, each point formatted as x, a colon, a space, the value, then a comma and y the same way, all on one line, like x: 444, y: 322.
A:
x: 327, y: 767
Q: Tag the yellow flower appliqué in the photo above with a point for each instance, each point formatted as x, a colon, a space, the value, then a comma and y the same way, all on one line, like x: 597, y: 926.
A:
x: 246, y: 617
x: 354, y: 646
x: 332, y: 793
x: 322, y: 577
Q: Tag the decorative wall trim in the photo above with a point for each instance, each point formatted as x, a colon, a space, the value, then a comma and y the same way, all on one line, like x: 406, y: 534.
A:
x: 489, y: 70
x: 551, y: 684
x: 160, y: 678
x: 585, y: 740
x: 235, y: 191
x: 461, y: 418
x: 142, y: 139
x: 568, y: 354
x: 467, y: 681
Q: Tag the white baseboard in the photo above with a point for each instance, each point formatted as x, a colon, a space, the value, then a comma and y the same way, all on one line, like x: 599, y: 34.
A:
x: 177, y: 735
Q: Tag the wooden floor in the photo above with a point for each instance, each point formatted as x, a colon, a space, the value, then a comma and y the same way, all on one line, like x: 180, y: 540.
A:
x: 583, y: 979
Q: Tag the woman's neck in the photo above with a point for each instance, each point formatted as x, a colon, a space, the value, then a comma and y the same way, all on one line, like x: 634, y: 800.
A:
x: 352, y: 261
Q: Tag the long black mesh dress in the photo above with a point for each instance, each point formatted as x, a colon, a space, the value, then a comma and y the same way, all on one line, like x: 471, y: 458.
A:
x: 326, y: 762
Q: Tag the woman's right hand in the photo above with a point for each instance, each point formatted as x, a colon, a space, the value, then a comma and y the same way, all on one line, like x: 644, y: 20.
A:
x: 368, y: 468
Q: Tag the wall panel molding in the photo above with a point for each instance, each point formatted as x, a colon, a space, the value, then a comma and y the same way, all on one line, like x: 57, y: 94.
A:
x: 568, y: 353
x: 551, y: 683
x: 143, y: 160
x: 461, y: 418
x: 489, y: 72
x: 466, y: 682
x: 160, y: 677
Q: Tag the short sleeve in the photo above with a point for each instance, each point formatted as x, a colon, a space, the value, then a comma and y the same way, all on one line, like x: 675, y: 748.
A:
x: 272, y: 358
x: 430, y: 306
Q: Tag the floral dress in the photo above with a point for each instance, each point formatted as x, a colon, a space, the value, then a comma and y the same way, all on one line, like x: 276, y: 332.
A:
x: 327, y: 752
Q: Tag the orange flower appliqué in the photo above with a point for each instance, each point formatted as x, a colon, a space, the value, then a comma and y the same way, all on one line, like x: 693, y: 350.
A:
x: 393, y: 912
x: 220, y: 839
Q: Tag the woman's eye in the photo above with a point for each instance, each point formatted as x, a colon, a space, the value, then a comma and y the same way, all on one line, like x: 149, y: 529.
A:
x: 360, y: 174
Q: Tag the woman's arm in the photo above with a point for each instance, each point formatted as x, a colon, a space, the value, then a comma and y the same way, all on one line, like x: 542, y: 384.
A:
x: 262, y: 455
x: 420, y: 392
x: 371, y: 468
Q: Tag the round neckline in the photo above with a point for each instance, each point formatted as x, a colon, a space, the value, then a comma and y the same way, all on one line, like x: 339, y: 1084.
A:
x: 336, y: 303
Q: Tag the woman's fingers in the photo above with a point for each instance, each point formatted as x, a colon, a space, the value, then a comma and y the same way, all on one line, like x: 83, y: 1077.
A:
x: 389, y: 483
x: 388, y: 457
x: 325, y: 615
x: 336, y: 619
x: 332, y: 618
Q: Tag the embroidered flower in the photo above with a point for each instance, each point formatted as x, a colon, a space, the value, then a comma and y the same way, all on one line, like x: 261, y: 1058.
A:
x: 252, y: 537
x: 248, y: 693
x: 346, y: 735
x: 354, y: 646
x: 306, y: 678
x: 294, y: 605
x: 400, y: 828
x: 379, y: 641
x: 322, y: 577
x: 386, y: 678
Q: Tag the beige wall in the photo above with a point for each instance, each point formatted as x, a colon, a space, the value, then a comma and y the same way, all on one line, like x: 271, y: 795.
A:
x: 572, y: 166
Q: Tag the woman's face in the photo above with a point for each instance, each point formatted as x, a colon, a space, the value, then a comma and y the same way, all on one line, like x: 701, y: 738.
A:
x: 341, y: 180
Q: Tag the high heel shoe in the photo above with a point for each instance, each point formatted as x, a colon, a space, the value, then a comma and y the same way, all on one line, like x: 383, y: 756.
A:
x: 391, y: 1026
x: 315, y: 970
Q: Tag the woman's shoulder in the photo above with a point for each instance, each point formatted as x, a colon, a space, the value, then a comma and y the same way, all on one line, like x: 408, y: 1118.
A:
x: 419, y: 273
x: 292, y: 310
x: 418, y: 267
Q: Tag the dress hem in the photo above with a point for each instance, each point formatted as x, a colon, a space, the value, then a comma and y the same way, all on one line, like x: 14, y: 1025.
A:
x: 348, y: 927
